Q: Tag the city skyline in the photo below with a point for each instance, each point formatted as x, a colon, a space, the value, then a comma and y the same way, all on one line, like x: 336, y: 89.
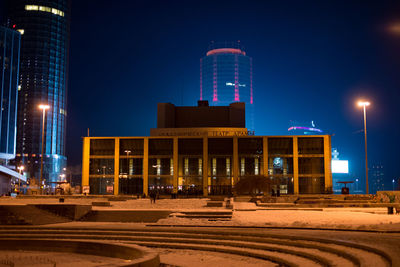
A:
x: 311, y: 62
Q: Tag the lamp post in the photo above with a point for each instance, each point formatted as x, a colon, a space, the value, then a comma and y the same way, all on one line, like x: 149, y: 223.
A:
x: 364, y: 104
x: 357, y: 184
x: 393, y: 185
x: 43, y: 108
x: 20, y: 169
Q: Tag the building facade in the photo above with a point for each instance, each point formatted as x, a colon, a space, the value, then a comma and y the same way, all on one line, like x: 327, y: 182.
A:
x: 9, y: 62
x: 209, y: 162
x: 44, y: 26
x: 226, y: 76
x: 202, y: 115
x: 377, y: 178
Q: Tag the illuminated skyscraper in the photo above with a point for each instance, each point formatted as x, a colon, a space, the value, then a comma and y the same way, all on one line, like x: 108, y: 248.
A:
x: 44, y: 25
x: 226, y: 76
x: 9, y: 63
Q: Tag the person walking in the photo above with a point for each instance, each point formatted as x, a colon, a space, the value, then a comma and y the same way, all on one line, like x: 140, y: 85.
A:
x: 153, y: 196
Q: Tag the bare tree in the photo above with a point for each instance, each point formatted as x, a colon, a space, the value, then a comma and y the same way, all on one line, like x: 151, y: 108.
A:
x: 252, y: 185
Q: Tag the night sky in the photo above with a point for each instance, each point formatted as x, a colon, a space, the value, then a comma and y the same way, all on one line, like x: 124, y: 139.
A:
x: 312, y: 60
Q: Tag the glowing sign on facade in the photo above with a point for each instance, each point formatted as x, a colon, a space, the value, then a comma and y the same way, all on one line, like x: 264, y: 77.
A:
x: 305, y: 128
x: 340, y: 166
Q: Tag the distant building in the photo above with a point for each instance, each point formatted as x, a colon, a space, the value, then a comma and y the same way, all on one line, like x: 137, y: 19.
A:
x: 9, y: 64
x: 9, y: 61
x: 44, y: 26
x: 204, y: 150
x: 298, y: 128
x: 377, y: 180
x: 226, y: 76
x: 171, y: 116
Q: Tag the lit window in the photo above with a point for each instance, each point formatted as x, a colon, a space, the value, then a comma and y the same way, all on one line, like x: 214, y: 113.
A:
x: 31, y: 7
x: 228, y: 166
x: 214, y: 166
x: 186, y: 164
x: 242, y: 165
x: 158, y: 166
x: 200, y: 166
x: 44, y: 9
x: 256, y: 168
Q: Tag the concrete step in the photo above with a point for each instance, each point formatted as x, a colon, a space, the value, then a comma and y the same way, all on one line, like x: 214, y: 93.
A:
x: 202, y: 216
x: 125, y: 215
x: 207, y: 212
x: 272, y: 247
x: 29, y: 214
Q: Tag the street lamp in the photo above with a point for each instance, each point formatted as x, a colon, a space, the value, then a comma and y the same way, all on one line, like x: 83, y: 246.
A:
x: 43, y: 108
x: 20, y: 169
x: 393, y: 185
x: 364, y: 104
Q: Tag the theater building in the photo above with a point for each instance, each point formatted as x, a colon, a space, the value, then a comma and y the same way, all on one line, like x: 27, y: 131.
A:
x: 204, y: 150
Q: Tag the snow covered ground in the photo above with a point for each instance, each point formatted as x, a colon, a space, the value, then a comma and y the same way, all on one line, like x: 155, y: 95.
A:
x: 196, y: 258
x: 248, y: 214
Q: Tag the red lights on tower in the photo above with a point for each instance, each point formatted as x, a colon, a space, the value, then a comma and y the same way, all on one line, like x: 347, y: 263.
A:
x: 237, y: 97
x: 215, y: 85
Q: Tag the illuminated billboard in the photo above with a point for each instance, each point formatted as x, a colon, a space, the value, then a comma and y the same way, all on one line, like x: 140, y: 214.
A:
x: 340, y: 166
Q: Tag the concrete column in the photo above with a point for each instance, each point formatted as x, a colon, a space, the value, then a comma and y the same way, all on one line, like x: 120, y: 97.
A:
x: 85, y: 161
x: 328, y: 162
x: 235, y: 161
x: 205, y: 166
x: 116, y: 167
x: 295, y: 166
x: 146, y: 166
x: 176, y: 159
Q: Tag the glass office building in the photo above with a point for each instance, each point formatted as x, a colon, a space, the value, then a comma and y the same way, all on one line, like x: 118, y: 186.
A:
x: 9, y: 62
x: 226, y: 76
x: 44, y: 26
x: 205, y: 163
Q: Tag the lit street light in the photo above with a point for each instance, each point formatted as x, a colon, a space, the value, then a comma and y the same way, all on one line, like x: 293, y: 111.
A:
x: 20, y: 169
x: 43, y: 108
x: 364, y: 104
x: 393, y: 185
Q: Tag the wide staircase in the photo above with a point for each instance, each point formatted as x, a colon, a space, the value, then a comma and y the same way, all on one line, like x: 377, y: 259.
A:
x: 318, y: 201
x: 274, y: 248
x: 208, y: 215
x: 28, y: 215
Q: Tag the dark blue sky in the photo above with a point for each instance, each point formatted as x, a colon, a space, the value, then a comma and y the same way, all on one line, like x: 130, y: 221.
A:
x: 311, y: 61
